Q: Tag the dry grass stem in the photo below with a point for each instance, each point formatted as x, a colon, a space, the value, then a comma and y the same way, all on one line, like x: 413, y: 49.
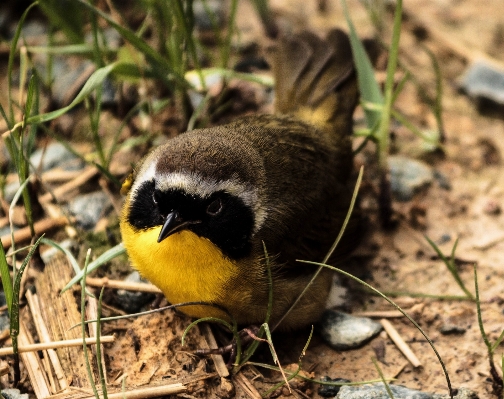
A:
x: 92, y: 314
x: 220, y: 365
x: 44, y: 337
x: 122, y: 285
x: 32, y: 363
x: 247, y: 386
x: 59, y: 175
x: 55, y: 344
x: 58, y: 193
x: 41, y: 227
x: 140, y: 393
x: 399, y: 342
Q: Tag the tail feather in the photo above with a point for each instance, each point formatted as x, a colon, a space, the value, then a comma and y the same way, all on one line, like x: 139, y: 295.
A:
x: 315, y: 78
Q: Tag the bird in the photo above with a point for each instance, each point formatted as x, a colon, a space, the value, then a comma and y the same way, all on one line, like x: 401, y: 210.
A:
x: 211, y: 212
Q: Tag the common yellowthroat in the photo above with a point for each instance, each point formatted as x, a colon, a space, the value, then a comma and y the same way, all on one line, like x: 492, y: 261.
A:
x: 199, y: 207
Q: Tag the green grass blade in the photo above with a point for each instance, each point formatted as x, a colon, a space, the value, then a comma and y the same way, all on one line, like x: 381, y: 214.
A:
x: 71, y: 258
x: 450, y: 265
x: 6, y: 278
x: 102, y: 259
x: 478, y: 311
x: 94, y: 81
x: 368, y: 86
x: 14, y: 316
x: 10, y: 64
x: 382, y: 377
x: 161, y: 65
x: 67, y: 16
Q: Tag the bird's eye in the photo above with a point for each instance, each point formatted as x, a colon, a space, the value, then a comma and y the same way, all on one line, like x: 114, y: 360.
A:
x: 215, y: 207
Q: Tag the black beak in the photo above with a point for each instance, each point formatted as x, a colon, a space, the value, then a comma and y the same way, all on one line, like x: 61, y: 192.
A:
x: 172, y: 224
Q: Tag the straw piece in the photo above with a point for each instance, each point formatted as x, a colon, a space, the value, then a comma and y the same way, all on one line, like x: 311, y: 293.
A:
x: 31, y: 362
x: 85, y: 175
x: 60, y: 314
x: 55, y: 344
x: 122, y: 285
x: 45, y: 359
x: 40, y: 227
x: 44, y: 337
x: 92, y: 314
x: 401, y: 345
x: 247, y: 386
x: 140, y: 393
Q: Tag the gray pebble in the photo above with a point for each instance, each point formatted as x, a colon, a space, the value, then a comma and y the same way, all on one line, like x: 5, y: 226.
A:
x: 342, y: 331
x: 14, y: 394
x: 378, y: 391
x: 134, y: 301
x: 407, y: 176
x: 51, y: 252
x: 482, y: 81
x: 208, y: 12
x: 89, y: 208
x: 55, y: 155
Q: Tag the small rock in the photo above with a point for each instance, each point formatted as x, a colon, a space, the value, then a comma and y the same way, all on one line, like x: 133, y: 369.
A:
x: 55, y: 154
x: 461, y: 393
x: 89, y: 208
x: 14, y: 394
x: 51, y: 252
x: 451, y: 329
x: 133, y: 301
x: 484, y: 82
x: 342, y: 331
x: 378, y: 391
x: 330, y: 391
x: 207, y: 13
x: 407, y: 176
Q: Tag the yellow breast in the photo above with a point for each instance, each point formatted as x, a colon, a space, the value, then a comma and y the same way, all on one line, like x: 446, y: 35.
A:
x: 184, y: 266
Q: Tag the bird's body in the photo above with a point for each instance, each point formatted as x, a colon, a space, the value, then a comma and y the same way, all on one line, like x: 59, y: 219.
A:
x: 201, y: 206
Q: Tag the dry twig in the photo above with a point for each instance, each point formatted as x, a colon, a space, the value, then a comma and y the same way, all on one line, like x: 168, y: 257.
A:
x: 40, y: 227
x: 55, y: 344
x: 400, y: 343
x: 122, y: 285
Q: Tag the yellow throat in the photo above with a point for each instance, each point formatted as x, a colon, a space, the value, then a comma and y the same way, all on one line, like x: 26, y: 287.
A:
x: 184, y: 266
